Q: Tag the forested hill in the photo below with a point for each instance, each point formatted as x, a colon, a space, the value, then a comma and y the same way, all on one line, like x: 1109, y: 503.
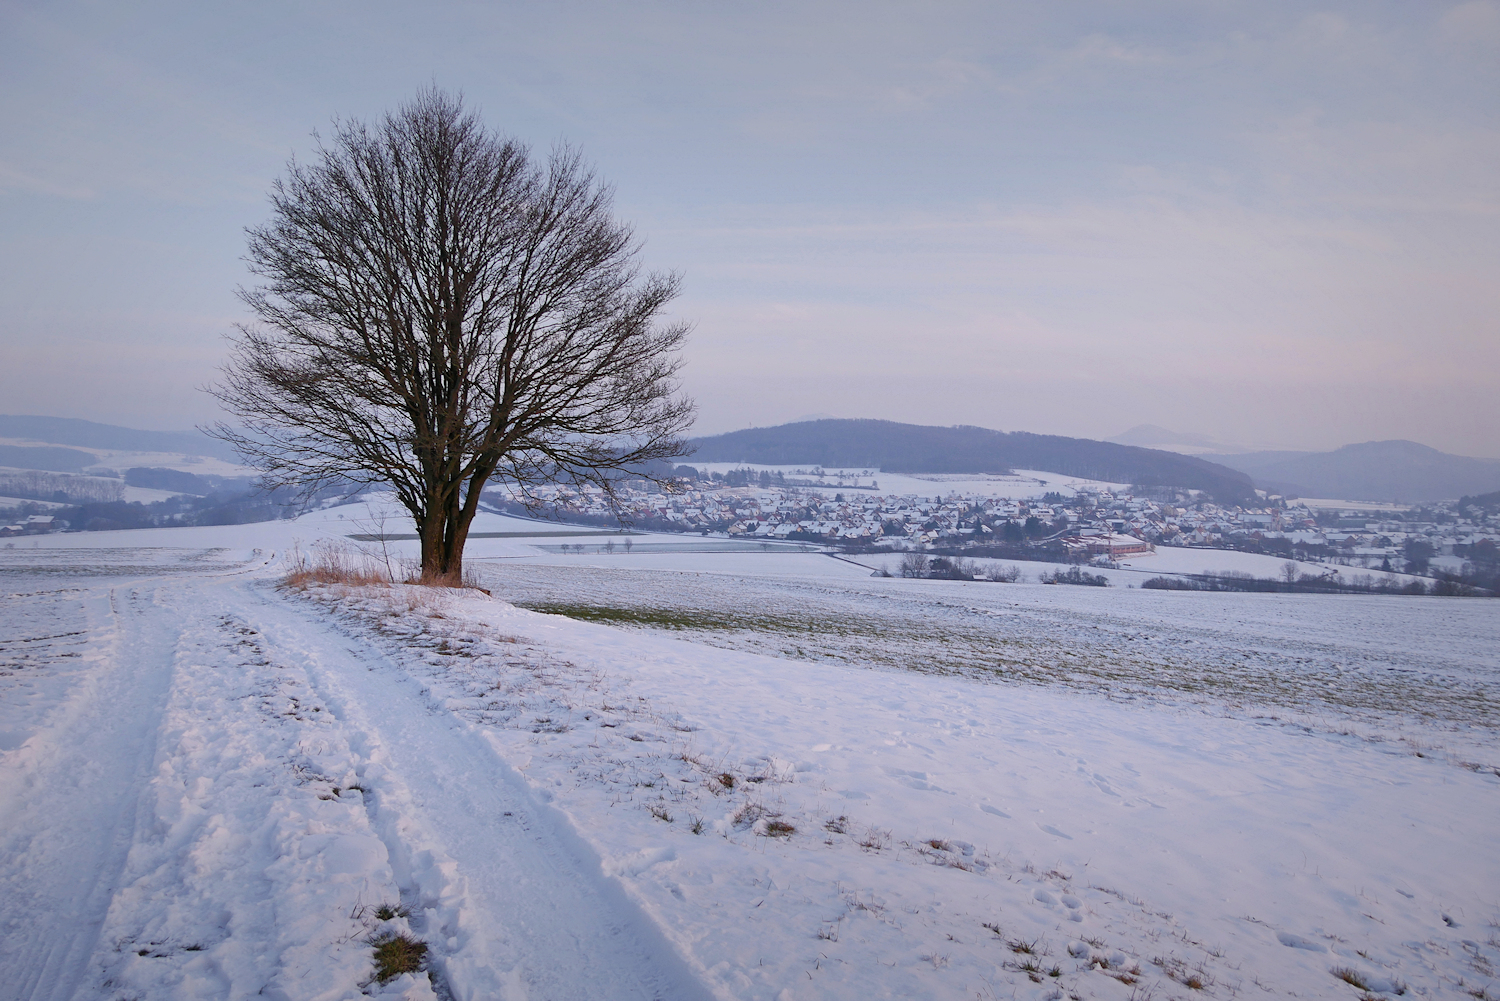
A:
x: 916, y: 448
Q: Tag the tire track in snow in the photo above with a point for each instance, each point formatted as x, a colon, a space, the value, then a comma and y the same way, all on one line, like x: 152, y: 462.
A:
x: 526, y: 911
x: 71, y: 798
x: 253, y: 870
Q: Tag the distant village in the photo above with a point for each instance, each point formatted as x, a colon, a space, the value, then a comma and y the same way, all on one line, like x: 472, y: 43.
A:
x: 1100, y: 525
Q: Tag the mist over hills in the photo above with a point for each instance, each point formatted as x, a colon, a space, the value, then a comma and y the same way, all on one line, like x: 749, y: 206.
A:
x: 70, y: 431
x: 49, y: 458
x: 1156, y: 436
x: 1403, y: 471
x: 1398, y: 470
x: 915, y: 448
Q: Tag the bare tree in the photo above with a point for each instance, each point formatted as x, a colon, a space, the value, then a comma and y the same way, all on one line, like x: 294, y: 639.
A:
x: 436, y: 309
x: 915, y: 564
x: 1290, y: 572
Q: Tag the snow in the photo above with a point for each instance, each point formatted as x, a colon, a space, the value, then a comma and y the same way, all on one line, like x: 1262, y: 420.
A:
x: 1351, y: 505
x: 147, y: 495
x: 211, y: 783
x: 1183, y: 560
x: 1021, y: 484
x: 17, y: 501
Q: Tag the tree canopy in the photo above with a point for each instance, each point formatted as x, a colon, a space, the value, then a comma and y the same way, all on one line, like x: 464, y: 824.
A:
x: 437, y: 308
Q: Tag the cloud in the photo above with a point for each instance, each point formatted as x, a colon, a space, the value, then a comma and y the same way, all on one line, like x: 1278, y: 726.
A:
x: 1472, y: 26
x: 14, y: 179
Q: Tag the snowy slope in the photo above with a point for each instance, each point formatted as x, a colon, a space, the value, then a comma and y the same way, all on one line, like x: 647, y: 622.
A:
x: 210, y: 784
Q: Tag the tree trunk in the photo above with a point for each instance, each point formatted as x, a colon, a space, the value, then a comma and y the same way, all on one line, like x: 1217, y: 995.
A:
x: 443, y: 532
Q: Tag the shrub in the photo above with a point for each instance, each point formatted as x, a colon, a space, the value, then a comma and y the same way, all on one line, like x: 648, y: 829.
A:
x: 1075, y: 575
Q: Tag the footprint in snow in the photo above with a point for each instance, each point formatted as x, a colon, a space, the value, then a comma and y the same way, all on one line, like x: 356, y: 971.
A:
x: 1291, y: 941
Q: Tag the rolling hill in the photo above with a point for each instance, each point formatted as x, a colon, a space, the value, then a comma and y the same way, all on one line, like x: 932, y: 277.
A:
x: 1402, y: 471
x: 915, y: 448
x: 88, y: 434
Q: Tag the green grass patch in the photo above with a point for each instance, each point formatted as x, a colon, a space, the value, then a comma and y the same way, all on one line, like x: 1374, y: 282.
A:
x: 397, y: 954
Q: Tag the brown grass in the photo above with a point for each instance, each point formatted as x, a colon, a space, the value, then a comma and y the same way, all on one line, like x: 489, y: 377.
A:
x: 1350, y: 976
x: 748, y: 815
x: 468, y: 579
x: 779, y: 829
x: 397, y: 954
x: 332, y: 565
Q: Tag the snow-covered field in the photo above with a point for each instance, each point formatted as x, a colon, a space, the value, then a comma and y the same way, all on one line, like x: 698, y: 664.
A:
x: 1021, y: 484
x: 729, y: 774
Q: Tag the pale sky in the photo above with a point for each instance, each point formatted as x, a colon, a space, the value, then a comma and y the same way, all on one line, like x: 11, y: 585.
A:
x: 1275, y: 223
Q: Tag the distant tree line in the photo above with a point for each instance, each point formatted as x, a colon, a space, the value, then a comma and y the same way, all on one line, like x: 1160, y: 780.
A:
x: 32, y: 484
x: 228, y: 507
x: 1294, y: 583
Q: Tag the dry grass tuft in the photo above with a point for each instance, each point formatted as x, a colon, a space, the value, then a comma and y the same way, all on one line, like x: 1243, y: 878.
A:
x: 397, y: 954
x: 748, y: 814
x: 332, y: 565
x: 779, y: 829
x: 1350, y: 976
